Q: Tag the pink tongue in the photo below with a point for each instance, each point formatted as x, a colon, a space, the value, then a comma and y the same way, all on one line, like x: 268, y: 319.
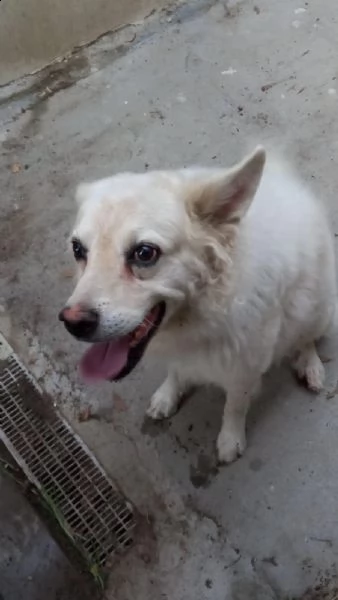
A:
x: 104, y: 360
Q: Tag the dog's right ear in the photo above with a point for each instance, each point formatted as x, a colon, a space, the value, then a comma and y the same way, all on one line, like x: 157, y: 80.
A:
x: 226, y: 196
x: 82, y: 193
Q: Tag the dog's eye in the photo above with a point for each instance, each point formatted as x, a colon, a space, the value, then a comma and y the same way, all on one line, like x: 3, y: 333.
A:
x: 79, y: 251
x: 144, y: 255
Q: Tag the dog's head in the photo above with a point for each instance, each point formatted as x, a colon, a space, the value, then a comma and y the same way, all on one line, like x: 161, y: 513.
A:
x: 146, y: 245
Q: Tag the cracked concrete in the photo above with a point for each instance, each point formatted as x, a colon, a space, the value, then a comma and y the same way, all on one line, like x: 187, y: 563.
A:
x: 198, y: 89
x: 35, y: 33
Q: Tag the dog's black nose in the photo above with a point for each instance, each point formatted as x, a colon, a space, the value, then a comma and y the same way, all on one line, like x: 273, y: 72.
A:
x: 79, y: 321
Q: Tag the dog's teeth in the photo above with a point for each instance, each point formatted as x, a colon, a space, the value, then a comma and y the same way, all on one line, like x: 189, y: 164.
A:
x: 139, y: 333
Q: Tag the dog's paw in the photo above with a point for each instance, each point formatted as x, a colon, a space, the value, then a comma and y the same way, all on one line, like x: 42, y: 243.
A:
x: 231, y: 445
x: 315, y: 376
x: 161, y: 405
x: 310, y: 370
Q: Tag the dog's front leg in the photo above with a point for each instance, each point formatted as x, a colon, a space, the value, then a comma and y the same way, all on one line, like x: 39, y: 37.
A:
x: 231, y: 441
x: 166, y: 399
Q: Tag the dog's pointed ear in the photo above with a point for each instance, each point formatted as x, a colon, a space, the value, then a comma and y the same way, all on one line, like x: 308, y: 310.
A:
x: 226, y: 197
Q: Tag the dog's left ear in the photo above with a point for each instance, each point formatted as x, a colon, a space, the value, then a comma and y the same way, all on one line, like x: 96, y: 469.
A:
x: 227, y: 196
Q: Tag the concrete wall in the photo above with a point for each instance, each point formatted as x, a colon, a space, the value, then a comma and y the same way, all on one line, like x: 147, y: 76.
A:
x: 34, y: 32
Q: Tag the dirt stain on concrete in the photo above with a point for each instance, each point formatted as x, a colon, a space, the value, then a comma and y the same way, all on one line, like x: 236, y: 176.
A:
x: 154, y: 428
x: 202, y: 474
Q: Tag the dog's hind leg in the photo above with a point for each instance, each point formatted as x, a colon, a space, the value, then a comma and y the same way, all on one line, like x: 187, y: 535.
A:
x: 309, y: 368
x: 167, y: 397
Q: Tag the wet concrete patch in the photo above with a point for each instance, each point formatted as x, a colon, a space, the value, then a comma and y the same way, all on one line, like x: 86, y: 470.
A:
x: 202, y: 474
x: 31, y: 91
x: 32, y: 566
x: 154, y: 428
x: 256, y: 464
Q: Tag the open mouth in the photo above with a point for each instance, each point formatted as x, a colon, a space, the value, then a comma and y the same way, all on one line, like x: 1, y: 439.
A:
x: 115, y: 359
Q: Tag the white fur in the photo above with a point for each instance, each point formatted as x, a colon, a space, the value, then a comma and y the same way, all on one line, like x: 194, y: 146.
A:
x: 245, y: 284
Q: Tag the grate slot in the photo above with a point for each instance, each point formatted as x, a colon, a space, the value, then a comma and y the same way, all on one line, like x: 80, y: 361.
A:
x: 55, y: 459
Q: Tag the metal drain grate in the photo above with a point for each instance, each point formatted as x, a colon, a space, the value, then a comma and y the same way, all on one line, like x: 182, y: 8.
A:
x: 54, y: 458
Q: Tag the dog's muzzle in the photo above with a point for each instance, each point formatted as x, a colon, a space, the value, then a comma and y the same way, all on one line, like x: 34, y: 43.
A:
x: 81, y: 322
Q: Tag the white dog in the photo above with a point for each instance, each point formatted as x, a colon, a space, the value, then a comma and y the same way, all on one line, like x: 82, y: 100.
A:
x: 225, y: 271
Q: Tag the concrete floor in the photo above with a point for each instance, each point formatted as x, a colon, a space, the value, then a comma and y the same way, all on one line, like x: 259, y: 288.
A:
x: 36, y: 32
x: 32, y: 566
x: 199, y: 87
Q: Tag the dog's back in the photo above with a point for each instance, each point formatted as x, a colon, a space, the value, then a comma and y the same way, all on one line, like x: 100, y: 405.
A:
x: 289, y: 257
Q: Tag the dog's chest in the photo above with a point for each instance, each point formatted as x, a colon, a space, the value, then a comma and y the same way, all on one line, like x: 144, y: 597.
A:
x: 204, y: 360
